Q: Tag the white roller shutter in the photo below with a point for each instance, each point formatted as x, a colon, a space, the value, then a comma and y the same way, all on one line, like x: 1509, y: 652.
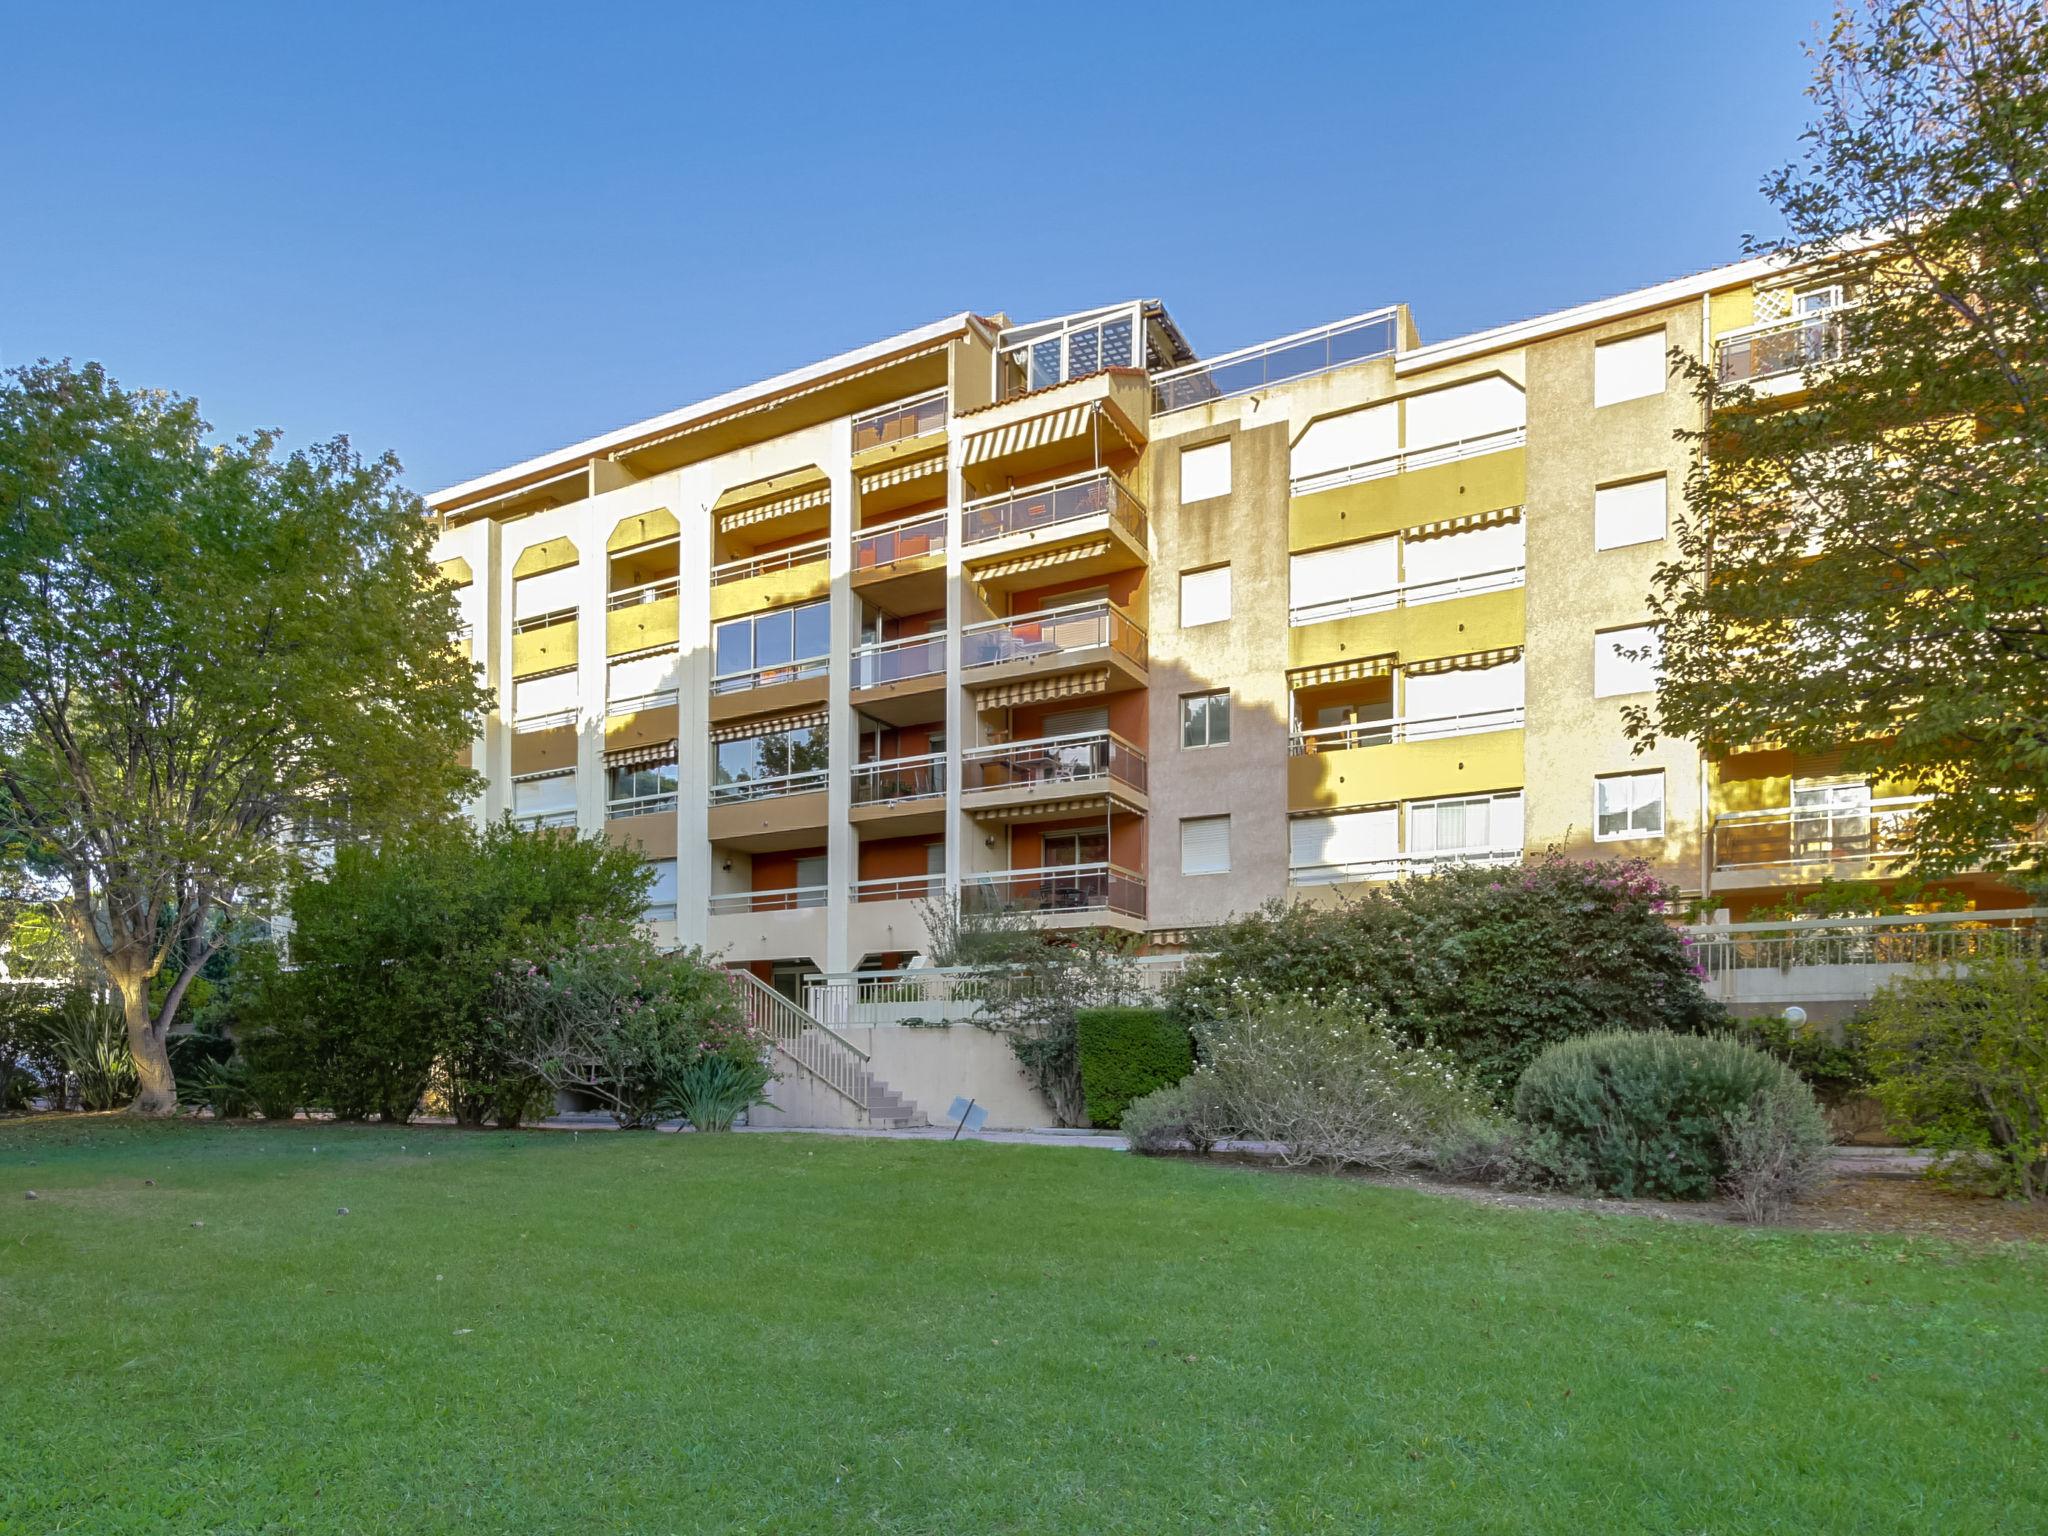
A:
x: 1072, y: 722
x: 545, y: 593
x: 1343, y: 838
x: 551, y: 794
x: 1464, y: 412
x: 547, y: 695
x: 1332, y: 577
x: 1435, y: 695
x: 1628, y: 369
x: 638, y: 676
x: 1339, y: 442
x: 1205, y: 845
x: 1614, y: 673
x: 1450, y: 557
x: 1635, y: 513
x: 1205, y: 472
x: 1204, y: 596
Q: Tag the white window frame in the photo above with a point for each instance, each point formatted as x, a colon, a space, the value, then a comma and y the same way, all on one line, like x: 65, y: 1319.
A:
x: 1209, y: 697
x: 1633, y: 779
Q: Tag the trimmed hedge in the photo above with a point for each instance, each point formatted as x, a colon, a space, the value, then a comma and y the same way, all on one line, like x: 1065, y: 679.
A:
x: 1125, y: 1054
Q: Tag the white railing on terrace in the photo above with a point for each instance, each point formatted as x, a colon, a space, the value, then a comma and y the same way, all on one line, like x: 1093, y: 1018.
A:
x: 554, y: 719
x: 790, y: 898
x: 896, y: 661
x: 1075, y: 757
x: 1092, y: 493
x: 1056, y: 889
x: 1048, y: 631
x: 1302, y: 355
x: 1409, y: 459
x: 536, y: 819
x: 1413, y: 594
x: 658, y: 912
x: 799, y: 1037
x: 1778, y: 347
x: 646, y: 592
x: 775, y: 560
x: 1847, y: 959
x: 1380, y: 733
x: 738, y: 791
x: 1821, y: 834
x: 1394, y: 866
x: 899, y: 778
x: 921, y: 533
x: 895, y: 423
x: 768, y: 676
x: 640, y: 805
x: 898, y: 887
x: 940, y: 994
x: 632, y: 704
x: 546, y: 620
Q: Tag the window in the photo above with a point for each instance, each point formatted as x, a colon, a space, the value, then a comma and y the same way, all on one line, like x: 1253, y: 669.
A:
x: 641, y: 677
x: 547, y: 795
x: 1205, y: 845
x: 1205, y: 719
x: 549, y: 592
x: 1628, y: 805
x: 1470, y: 698
x: 1351, y: 578
x: 1063, y: 850
x: 661, y: 895
x: 1470, y: 560
x: 642, y: 789
x: 1464, y: 413
x: 1467, y: 824
x: 1615, y: 673
x: 812, y: 871
x: 1205, y: 472
x: 1204, y: 596
x: 1343, y: 845
x: 551, y: 693
x: 799, y: 751
x: 1634, y: 513
x: 782, y: 645
x: 1628, y: 369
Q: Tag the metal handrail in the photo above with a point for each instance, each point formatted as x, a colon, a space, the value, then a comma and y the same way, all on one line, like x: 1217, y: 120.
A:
x: 1096, y: 887
x: 1771, y: 348
x: 788, y: 898
x: 646, y: 592
x: 1380, y: 733
x: 546, y: 620
x: 921, y: 414
x: 778, y: 672
x: 1091, y: 493
x: 1395, y: 865
x: 1409, y: 459
x: 898, y: 887
x: 899, y: 778
x: 775, y: 560
x: 533, y: 820
x: 899, y: 660
x: 1410, y: 595
x: 739, y: 791
x: 640, y: 805
x: 1074, y: 627
x: 882, y: 545
x: 1820, y: 834
x: 1073, y: 757
x: 1341, y: 343
x: 818, y: 1050
x: 553, y: 719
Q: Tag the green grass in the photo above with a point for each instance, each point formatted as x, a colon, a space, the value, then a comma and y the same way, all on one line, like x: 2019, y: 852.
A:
x: 531, y: 1332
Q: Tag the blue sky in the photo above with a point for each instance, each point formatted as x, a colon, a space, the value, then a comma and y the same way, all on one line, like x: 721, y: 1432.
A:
x: 471, y: 233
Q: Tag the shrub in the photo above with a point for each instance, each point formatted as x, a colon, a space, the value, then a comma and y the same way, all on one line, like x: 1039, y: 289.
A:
x: 1125, y: 1053
x: 604, y: 1013
x: 1332, y: 1087
x: 1181, y: 1114
x: 86, y: 1041
x: 1836, y: 1069
x: 222, y: 1086
x: 714, y: 1091
x: 1959, y: 1058
x: 1481, y: 1149
x: 1652, y: 1113
x: 1490, y: 964
x: 1774, y: 1152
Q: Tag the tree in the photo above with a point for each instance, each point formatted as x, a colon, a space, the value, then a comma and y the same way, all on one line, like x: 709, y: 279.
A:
x: 208, y: 651
x: 397, y: 951
x: 1864, y: 568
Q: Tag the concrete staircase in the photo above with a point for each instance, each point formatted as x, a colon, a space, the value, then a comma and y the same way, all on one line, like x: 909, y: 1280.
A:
x: 890, y: 1110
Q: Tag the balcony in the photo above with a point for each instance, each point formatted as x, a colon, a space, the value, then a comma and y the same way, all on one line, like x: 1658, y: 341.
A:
x: 1017, y: 779
x: 1071, y: 894
x: 1381, y: 733
x: 1302, y: 355
x: 1408, y: 460
x: 900, y: 567
x: 898, y: 888
x: 534, y: 821
x: 792, y: 898
x: 1807, y: 842
x: 1017, y: 537
x: 771, y: 787
x: 796, y: 574
x: 1078, y: 637
x: 1409, y: 595
x: 639, y: 618
x: 640, y: 805
x: 1780, y: 349
x: 900, y: 796
x: 1399, y: 865
x: 899, y: 423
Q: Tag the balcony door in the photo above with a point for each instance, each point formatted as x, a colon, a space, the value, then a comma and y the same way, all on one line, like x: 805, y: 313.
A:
x: 1831, y: 820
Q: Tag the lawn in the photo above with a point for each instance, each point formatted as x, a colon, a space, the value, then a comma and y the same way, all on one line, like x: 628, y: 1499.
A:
x: 534, y: 1332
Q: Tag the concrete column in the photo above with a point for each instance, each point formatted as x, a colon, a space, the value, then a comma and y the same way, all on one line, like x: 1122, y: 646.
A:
x: 842, y: 850
x: 692, y: 507
x: 593, y: 567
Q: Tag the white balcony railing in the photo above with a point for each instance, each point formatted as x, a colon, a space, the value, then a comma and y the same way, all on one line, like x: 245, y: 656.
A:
x: 1413, y: 594
x: 775, y: 560
x: 646, y: 592
x: 1056, y: 890
x: 789, y: 899
x: 548, y: 620
x: 658, y: 912
x: 1074, y: 758
x: 896, y: 661
x: 534, y: 820
x: 553, y: 720
x: 899, y: 778
x: 769, y: 787
x: 1092, y: 493
x: 1410, y: 459
x: 899, y: 888
x: 640, y: 805
x: 1846, y: 834
x: 1394, y: 866
x: 1780, y: 347
x: 877, y: 548
x: 1050, y: 631
x: 899, y: 422
x: 1380, y: 733
x: 768, y: 676
x: 1300, y: 356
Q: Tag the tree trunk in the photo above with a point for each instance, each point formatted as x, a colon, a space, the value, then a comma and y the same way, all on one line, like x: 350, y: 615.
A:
x: 156, y: 1091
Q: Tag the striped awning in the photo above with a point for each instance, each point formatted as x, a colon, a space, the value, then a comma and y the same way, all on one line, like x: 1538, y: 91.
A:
x: 903, y: 474
x: 1472, y: 661
x: 1034, y: 690
x: 1019, y: 564
x: 1340, y: 672
x: 1054, y: 426
x: 812, y: 718
x: 1463, y: 524
x: 768, y: 511
x: 1062, y: 808
x: 642, y: 756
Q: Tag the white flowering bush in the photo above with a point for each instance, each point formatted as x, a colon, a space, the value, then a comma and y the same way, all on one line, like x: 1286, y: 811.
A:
x: 1331, y: 1086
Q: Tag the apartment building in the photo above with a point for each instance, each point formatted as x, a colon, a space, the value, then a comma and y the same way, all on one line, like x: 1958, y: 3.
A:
x: 1064, y: 618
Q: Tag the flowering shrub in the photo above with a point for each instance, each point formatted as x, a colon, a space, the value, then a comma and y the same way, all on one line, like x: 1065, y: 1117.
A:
x: 1331, y: 1086
x: 1491, y: 965
x: 608, y: 1015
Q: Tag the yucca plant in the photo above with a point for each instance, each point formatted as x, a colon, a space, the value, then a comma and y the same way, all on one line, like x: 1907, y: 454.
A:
x: 713, y: 1091
x: 90, y: 1044
x: 221, y: 1086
